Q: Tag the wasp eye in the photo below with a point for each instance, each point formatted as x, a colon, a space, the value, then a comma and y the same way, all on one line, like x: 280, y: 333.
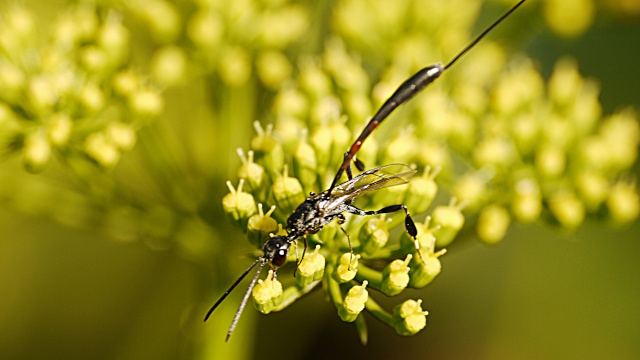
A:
x: 280, y: 258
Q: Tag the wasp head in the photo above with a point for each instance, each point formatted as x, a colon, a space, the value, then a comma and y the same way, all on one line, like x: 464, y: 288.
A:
x: 276, y: 249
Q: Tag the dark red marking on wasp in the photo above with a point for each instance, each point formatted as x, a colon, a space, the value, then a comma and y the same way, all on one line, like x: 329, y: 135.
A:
x: 410, y: 88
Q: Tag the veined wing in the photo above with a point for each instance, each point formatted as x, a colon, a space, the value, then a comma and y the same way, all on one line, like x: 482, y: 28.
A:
x: 374, y: 179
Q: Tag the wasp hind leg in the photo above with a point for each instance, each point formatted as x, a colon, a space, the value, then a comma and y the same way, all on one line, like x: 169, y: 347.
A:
x: 409, y: 225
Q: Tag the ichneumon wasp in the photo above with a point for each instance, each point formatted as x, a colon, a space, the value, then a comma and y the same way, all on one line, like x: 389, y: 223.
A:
x: 321, y: 209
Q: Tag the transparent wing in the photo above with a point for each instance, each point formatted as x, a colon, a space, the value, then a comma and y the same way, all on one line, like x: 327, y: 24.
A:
x: 374, y: 179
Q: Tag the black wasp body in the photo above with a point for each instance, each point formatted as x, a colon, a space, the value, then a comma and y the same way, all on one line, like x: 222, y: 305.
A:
x: 321, y: 209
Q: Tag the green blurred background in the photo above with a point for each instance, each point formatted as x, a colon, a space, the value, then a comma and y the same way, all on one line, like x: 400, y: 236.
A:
x: 75, y: 293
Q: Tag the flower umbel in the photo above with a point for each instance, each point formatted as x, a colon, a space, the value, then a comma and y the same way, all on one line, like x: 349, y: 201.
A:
x: 523, y: 151
x: 127, y: 110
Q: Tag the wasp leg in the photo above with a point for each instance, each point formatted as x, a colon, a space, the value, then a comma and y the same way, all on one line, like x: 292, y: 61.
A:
x: 304, y: 251
x: 356, y: 162
x: 408, y: 221
x: 341, y: 221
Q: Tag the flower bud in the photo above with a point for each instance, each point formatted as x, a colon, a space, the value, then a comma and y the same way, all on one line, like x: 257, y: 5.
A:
x: 91, y: 98
x: 435, y: 155
x: 565, y: 82
x: 357, y: 106
x: 421, y: 191
x: 93, y: 59
x: 409, y: 317
x: 234, y: 66
x: 285, y: 24
x: 395, y: 276
x: 98, y: 147
x: 313, y: 80
x: 495, y: 151
x: 593, y: 188
x: 621, y: 133
x: 527, y: 201
x: 586, y: 110
x: 354, y: 302
x: 374, y: 234
x: 525, y: 130
x: 450, y: 220
x: 238, y: 205
x: 582, y: 13
x: 287, y: 192
x: 146, y: 103
x: 41, y: 93
x: 113, y: 37
x: 273, y: 68
x: 517, y: 89
x: 340, y: 136
x: 206, y: 29
x: 623, y: 202
x: 122, y: 135
x: 260, y: 225
x: 593, y: 153
x: 493, y: 223
x: 326, y: 110
x: 169, y: 65
x: 254, y: 174
x: 425, y: 238
x: 347, y: 268
x: 267, y: 294
x: 59, y: 128
x: 321, y: 139
x: 424, y: 270
x: 567, y: 209
x: 290, y: 102
x: 17, y: 31
x: 311, y: 268
x: 161, y: 17
x: 550, y: 161
x: 12, y: 81
x: 267, y: 148
x: 305, y: 164
x: 37, y: 151
x: 126, y: 82
x: 400, y: 149
x: 472, y: 189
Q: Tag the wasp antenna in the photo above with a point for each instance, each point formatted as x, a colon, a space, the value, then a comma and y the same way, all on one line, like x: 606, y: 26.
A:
x: 224, y: 296
x: 246, y: 296
x: 483, y: 34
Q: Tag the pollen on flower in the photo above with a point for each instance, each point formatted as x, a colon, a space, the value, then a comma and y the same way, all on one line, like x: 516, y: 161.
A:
x: 311, y: 268
x: 347, y: 267
x: 267, y: 294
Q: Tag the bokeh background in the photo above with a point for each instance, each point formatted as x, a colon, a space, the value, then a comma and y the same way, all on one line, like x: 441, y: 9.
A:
x: 77, y: 289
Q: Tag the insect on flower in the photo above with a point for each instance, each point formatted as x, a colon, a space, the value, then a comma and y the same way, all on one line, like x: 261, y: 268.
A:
x: 321, y: 209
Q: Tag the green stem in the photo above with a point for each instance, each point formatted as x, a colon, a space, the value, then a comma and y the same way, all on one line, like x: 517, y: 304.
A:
x: 386, y: 253
x: 333, y: 286
x: 374, y: 277
x: 361, y: 328
x: 379, y: 312
x: 293, y: 293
